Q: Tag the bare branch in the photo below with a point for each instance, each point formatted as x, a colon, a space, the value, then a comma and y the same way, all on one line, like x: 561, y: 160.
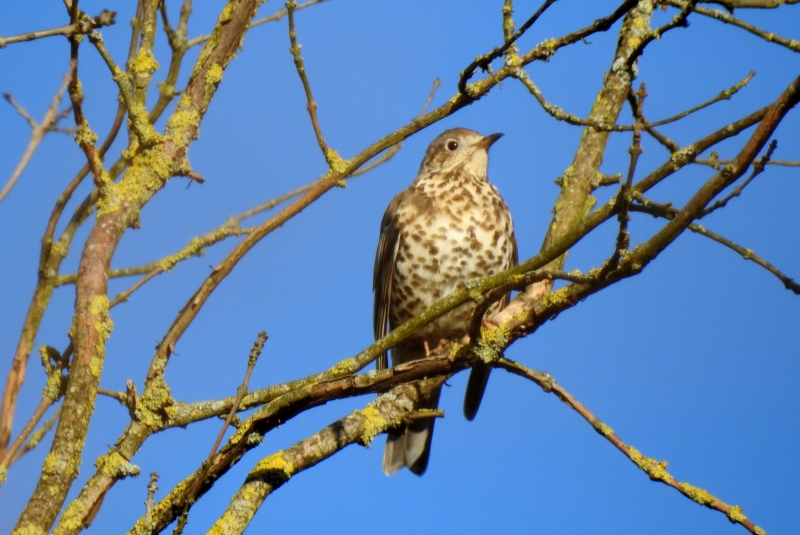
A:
x: 84, y: 25
x: 485, y: 61
x: 655, y: 470
x: 758, y: 168
x: 38, y: 130
x: 791, y: 44
x: 331, y: 156
x: 667, y: 211
x: 278, y: 15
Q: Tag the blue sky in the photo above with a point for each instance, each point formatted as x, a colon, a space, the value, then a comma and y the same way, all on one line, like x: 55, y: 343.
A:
x: 695, y: 361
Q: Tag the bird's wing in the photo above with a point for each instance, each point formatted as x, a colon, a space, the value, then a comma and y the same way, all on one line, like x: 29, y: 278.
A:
x: 384, y: 273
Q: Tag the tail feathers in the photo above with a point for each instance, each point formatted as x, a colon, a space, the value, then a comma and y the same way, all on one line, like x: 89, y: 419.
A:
x: 476, y: 386
x: 393, y: 453
x: 411, y: 447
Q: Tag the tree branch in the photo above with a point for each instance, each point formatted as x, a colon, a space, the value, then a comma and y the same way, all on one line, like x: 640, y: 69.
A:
x: 81, y: 26
x: 655, y: 470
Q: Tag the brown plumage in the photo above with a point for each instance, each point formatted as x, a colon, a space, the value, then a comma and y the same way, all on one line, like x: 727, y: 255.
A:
x: 449, y: 226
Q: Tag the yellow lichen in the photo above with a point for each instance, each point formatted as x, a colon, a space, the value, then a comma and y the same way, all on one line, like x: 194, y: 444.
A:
x: 455, y: 348
x: 374, y: 424
x: 274, y: 462
x: 492, y: 343
x: 72, y: 519
x: 84, y: 135
x: 139, y: 122
x: 240, y: 432
x: 103, y: 325
x: 116, y: 466
x: 343, y: 367
x: 182, y: 125
x: 148, y: 172
x: 701, y: 496
x: 604, y: 429
x: 144, y: 62
x: 59, y: 248
x: 195, y: 247
x: 336, y: 164
x: 556, y: 299
x: 153, y: 403
x: 213, y: 78
x: 655, y: 469
x: 736, y: 514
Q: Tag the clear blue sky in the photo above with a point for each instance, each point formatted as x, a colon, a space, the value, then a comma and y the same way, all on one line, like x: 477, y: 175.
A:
x: 695, y: 361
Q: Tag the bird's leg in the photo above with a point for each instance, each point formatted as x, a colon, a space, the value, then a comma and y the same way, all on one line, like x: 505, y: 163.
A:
x: 436, y: 350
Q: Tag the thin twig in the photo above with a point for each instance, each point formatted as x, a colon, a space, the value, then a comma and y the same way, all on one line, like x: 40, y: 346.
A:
x: 655, y: 470
x: 730, y: 5
x: 278, y: 15
x: 242, y: 390
x: 624, y: 196
x: 678, y: 21
x: 758, y: 168
x: 150, y: 502
x: 791, y: 44
x: 240, y: 393
x: 38, y: 130
x: 37, y: 436
x: 333, y: 159
x: 391, y: 151
x: 55, y: 365
x: 558, y: 113
x: 667, y: 211
x: 85, y: 25
x: 485, y: 61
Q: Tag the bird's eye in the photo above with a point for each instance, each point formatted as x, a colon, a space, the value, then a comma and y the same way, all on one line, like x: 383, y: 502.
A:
x: 452, y: 145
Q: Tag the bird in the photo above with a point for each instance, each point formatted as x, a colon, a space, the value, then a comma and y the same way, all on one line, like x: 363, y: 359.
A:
x: 449, y: 226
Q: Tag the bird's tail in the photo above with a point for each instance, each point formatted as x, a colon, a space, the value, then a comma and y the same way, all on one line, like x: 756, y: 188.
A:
x: 411, y: 446
x: 476, y: 386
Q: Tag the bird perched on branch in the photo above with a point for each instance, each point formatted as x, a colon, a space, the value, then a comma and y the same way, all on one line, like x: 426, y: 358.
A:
x: 449, y: 226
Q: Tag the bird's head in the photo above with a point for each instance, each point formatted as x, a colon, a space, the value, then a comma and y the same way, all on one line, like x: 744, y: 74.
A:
x: 459, y: 148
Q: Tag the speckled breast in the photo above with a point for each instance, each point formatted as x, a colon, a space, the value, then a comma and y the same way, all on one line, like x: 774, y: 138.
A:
x: 451, y: 233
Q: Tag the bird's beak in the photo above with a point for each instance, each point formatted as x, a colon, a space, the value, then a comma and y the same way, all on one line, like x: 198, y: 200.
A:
x: 488, y: 141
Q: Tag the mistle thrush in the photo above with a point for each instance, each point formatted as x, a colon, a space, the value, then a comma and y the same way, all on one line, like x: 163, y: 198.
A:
x: 449, y: 226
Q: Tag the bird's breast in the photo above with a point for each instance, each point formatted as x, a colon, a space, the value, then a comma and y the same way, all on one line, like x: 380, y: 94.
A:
x: 439, y: 248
